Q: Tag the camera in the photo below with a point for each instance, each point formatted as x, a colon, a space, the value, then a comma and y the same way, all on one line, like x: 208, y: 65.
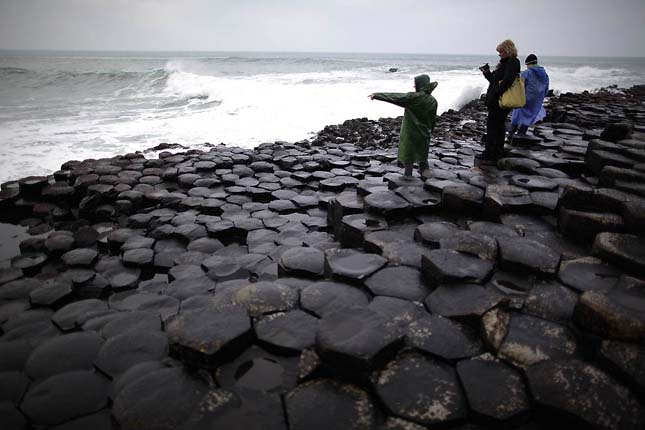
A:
x: 484, y: 67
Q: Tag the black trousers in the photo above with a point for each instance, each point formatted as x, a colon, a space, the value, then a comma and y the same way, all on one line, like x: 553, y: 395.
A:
x: 496, y: 130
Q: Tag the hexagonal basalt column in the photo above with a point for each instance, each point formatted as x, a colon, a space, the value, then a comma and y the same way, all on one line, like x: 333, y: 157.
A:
x: 421, y: 389
x: 351, y: 265
x: 495, y: 390
x: 300, y: 261
x: 616, y: 314
x: 530, y: 340
x: 583, y: 395
x: 173, y: 400
x: 206, y: 335
x: 356, y: 337
x: 447, y: 266
x: 386, y: 204
x: 338, y: 406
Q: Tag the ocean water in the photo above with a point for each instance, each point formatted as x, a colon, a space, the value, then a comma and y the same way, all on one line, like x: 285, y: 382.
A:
x: 59, y: 106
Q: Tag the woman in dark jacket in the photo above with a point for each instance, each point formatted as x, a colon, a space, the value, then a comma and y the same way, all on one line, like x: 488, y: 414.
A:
x: 500, y: 80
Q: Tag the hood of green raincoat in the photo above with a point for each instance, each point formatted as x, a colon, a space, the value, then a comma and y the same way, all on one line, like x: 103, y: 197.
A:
x: 422, y: 83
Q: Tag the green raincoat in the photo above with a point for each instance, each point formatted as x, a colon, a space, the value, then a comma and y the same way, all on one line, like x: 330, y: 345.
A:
x: 419, y: 119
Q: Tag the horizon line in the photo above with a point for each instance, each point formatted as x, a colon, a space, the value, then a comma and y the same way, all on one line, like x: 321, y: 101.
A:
x: 159, y: 51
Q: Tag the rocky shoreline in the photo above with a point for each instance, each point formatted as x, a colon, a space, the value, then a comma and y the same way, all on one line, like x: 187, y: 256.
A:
x: 309, y: 286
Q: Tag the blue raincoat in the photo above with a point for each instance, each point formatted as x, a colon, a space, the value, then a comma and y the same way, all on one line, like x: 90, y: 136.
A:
x: 537, y: 86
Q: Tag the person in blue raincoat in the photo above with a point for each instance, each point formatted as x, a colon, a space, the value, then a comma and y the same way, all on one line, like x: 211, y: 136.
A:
x: 536, y: 81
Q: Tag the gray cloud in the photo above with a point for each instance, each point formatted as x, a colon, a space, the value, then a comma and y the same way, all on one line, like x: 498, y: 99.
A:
x: 548, y: 27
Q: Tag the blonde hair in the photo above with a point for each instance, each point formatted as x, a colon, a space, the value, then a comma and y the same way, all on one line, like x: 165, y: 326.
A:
x: 508, y: 47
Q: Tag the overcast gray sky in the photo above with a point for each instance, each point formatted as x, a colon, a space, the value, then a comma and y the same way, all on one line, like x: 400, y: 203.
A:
x: 550, y: 27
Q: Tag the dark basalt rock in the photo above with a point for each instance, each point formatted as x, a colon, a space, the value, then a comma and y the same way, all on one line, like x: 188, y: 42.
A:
x: 431, y: 233
x: 551, y: 301
x: 57, y: 243
x: 80, y: 257
x: 398, y: 313
x: 518, y: 164
x: 174, y: 400
x: 525, y: 255
x: 343, y: 204
x: 300, y: 261
x: 628, y: 360
x: 164, y: 306
x: 356, y: 337
x: 475, y: 244
x: 421, y: 389
x: 338, y: 406
x: 531, y: 340
x: 75, y: 314
x: 579, y: 394
x: 287, y: 331
x: 402, y: 282
x: 462, y: 199
x: 353, y: 229
x: 224, y: 268
x: 65, y: 396
x: 393, y: 423
x: 354, y: 266
x: 185, y: 271
x: 396, y: 246
x: 323, y: 297
x: 586, y: 274
x: 139, y: 257
x: 123, y: 351
x: 206, y: 335
x: 29, y: 263
x: 135, y: 320
x: 421, y: 200
x: 492, y: 229
x: 32, y: 186
x: 266, y: 297
x: 386, y: 204
x: 8, y: 274
x: 133, y: 374
x: 12, y: 308
x: 527, y: 224
x: 101, y: 420
x: 501, y: 199
x: 13, y: 386
x: 624, y: 250
x: 443, y: 338
x: 462, y: 300
x: 14, y: 354
x: 52, y: 357
x: 252, y: 410
x: 533, y: 183
x: 447, y: 266
x: 506, y: 403
x: 618, y: 313
x: 224, y: 223
x: 189, y: 286
x: 205, y: 244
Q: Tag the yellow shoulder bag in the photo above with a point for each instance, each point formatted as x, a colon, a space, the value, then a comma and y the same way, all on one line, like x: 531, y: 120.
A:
x: 515, y: 96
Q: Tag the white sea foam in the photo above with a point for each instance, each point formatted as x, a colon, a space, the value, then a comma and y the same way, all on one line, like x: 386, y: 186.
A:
x: 231, y: 99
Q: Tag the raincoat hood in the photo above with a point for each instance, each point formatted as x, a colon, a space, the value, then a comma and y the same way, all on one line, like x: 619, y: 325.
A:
x: 539, y: 71
x: 422, y: 83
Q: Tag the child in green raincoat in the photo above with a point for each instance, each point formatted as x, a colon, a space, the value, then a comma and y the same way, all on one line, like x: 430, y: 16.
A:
x: 419, y: 119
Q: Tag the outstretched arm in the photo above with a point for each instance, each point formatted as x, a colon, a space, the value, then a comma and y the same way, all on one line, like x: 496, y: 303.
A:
x: 399, y: 99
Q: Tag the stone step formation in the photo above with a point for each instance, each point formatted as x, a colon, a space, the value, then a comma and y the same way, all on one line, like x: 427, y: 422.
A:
x: 309, y: 285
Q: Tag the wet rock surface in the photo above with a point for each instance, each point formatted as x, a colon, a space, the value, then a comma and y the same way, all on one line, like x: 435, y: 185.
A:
x: 310, y: 285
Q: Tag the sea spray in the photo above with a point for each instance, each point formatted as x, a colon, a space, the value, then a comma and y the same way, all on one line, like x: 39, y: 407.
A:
x: 55, y: 107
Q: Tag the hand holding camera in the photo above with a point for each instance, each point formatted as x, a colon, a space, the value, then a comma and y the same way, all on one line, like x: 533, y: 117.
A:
x: 485, y: 68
